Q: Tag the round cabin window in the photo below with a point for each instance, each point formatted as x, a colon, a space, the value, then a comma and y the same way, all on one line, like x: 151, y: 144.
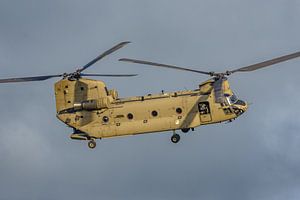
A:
x: 178, y: 110
x: 130, y: 116
x: 154, y: 113
x: 105, y: 119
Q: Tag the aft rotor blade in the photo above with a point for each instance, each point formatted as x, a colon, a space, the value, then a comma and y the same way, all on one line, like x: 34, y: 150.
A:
x: 106, y: 53
x: 219, y: 91
x: 27, y: 79
x: 163, y: 65
x: 267, y: 63
x: 110, y: 75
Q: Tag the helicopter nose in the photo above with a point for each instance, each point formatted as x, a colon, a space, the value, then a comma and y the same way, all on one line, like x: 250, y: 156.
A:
x: 245, y: 107
x: 240, y: 107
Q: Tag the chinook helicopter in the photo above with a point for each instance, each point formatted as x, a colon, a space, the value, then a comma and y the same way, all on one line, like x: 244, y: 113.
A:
x: 94, y: 112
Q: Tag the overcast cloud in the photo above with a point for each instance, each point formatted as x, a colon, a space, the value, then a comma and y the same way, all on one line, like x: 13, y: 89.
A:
x: 254, y: 158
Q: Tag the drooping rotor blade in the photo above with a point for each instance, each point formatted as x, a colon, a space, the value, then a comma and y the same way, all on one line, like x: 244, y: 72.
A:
x: 163, y: 65
x: 106, y: 53
x: 110, y: 75
x: 219, y: 91
x: 27, y: 79
x: 267, y: 63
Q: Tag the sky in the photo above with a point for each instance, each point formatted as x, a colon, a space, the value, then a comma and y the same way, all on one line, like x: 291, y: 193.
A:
x: 255, y: 157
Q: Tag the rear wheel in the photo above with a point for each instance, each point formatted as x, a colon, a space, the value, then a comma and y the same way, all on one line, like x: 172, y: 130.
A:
x: 92, y: 144
x: 175, y: 138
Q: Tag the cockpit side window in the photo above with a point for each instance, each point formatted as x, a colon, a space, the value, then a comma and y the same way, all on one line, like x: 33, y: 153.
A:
x: 233, y: 99
x: 240, y: 102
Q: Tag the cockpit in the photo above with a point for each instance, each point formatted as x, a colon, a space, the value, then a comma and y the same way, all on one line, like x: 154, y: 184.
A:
x: 238, y: 106
x: 233, y: 100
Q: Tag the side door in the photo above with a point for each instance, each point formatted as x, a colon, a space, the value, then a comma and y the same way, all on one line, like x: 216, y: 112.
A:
x: 205, y: 112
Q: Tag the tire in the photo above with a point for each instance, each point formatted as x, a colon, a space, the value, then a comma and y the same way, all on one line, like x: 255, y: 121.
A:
x: 92, y: 144
x: 175, y: 138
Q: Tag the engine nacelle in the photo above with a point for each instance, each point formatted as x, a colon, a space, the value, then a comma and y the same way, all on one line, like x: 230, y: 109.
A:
x: 95, y: 104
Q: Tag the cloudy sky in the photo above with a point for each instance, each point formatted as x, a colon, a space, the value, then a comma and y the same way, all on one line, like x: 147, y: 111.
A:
x: 255, y: 157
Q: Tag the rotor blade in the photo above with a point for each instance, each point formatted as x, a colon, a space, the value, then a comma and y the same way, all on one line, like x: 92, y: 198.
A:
x: 27, y: 79
x: 267, y: 63
x: 110, y: 75
x: 106, y: 53
x: 218, y: 90
x: 162, y: 65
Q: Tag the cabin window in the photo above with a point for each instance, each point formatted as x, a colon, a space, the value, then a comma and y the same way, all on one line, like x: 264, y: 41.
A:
x: 81, y: 88
x: 154, y: 113
x: 130, y: 116
x: 178, y: 110
x: 204, y: 108
x: 105, y: 119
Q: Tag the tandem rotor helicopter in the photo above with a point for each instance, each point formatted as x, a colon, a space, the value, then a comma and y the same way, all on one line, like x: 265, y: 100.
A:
x: 94, y: 112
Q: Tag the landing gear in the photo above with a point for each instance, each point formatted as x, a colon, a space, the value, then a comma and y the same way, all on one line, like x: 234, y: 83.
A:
x: 175, y: 138
x: 185, y: 130
x: 92, y: 144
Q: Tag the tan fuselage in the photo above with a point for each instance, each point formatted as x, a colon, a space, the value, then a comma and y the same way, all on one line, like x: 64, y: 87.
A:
x: 95, y: 112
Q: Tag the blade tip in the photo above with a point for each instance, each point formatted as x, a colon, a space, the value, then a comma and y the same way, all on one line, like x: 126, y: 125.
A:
x: 125, y: 42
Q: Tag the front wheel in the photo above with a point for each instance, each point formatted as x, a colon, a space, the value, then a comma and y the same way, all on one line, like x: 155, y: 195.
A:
x: 92, y: 144
x: 175, y: 138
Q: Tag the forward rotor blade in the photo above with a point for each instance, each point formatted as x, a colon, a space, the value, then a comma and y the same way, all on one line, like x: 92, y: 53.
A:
x: 163, y: 65
x: 267, y: 63
x: 27, y: 79
x: 106, y: 53
x: 110, y: 75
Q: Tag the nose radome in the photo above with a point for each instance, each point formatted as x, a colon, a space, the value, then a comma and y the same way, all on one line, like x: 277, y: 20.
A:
x: 244, y: 106
x: 240, y: 107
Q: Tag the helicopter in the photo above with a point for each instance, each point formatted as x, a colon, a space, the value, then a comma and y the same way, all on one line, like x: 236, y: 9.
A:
x: 95, y: 112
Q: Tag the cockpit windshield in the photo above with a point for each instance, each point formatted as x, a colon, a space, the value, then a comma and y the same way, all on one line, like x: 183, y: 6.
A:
x: 232, y: 99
